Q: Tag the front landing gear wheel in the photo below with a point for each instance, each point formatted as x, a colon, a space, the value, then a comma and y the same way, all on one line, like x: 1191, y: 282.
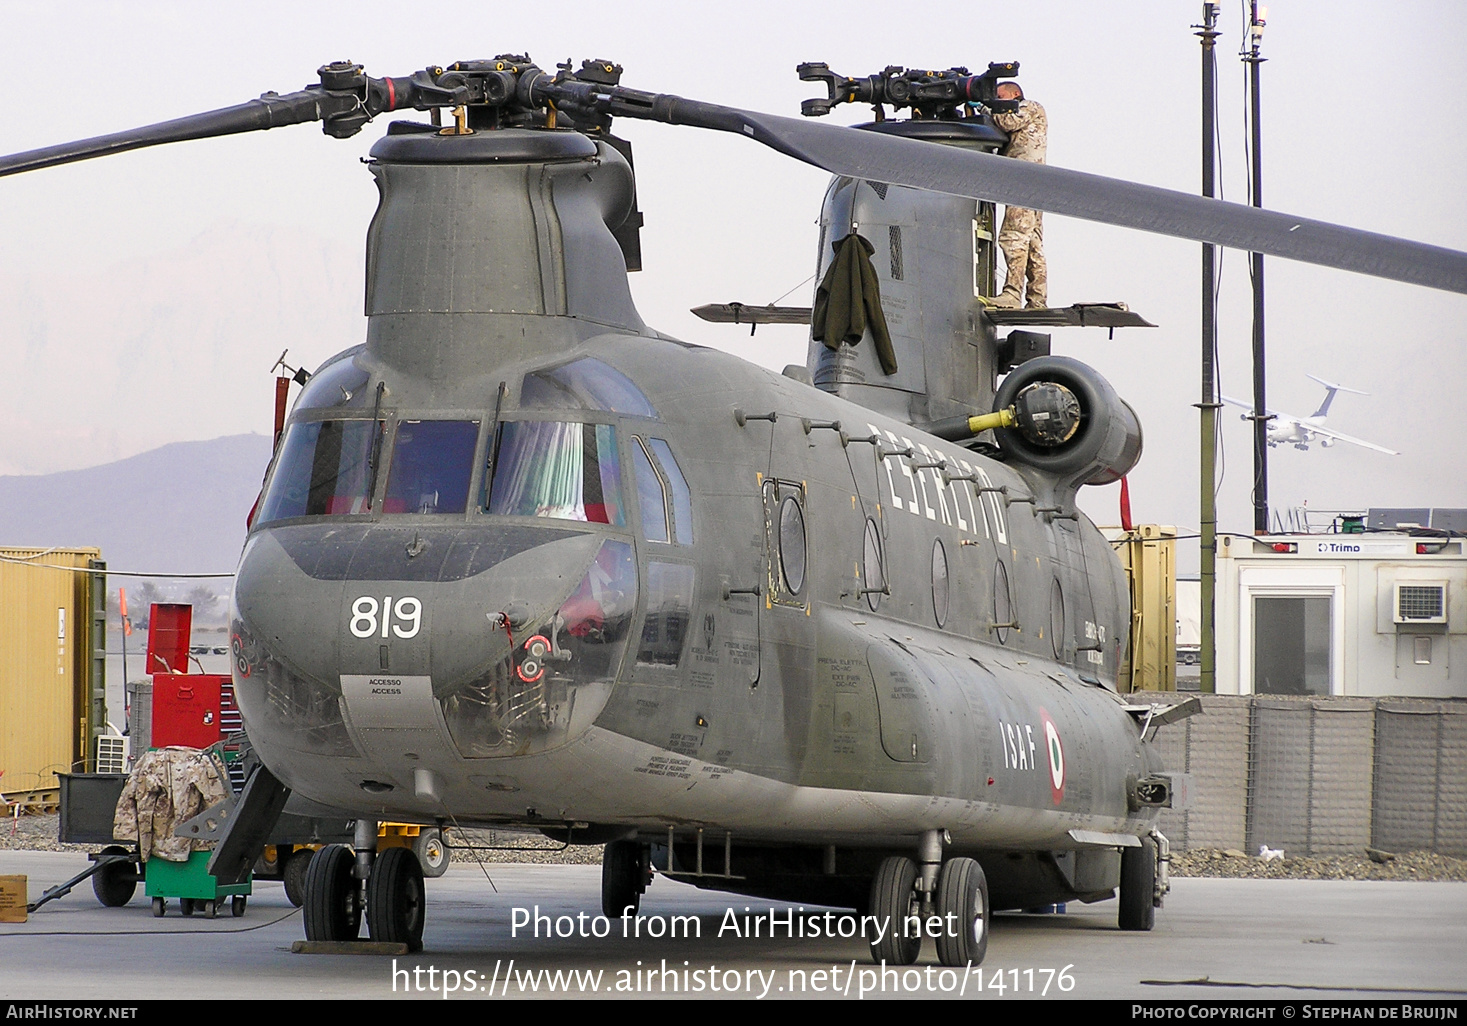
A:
x: 962, y: 902
x: 1138, y: 886
x: 395, y: 898
x: 332, y: 912
x: 893, y: 902
x: 623, y: 878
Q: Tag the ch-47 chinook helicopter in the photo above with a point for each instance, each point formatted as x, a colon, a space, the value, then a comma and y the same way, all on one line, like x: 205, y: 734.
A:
x: 520, y: 559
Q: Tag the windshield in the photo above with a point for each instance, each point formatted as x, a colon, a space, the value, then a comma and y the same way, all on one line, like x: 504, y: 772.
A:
x: 324, y: 470
x: 432, y: 461
x: 567, y: 471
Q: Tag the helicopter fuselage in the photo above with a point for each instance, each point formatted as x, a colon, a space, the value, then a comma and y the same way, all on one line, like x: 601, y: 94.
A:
x: 936, y: 659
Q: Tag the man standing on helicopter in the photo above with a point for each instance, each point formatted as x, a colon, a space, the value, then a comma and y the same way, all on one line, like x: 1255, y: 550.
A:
x: 1022, y: 236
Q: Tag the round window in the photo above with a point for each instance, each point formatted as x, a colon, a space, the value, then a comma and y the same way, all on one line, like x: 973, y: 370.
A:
x: 939, y: 583
x: 1003, y: 607
x: 1057, y: 620
x: 874, y: 570
x: 792, y: 545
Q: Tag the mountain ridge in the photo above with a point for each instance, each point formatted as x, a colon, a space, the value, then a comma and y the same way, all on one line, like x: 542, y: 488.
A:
x: 176, y: 509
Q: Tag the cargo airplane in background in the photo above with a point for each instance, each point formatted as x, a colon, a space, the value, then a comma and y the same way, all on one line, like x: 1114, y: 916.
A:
x: 1287, y: 429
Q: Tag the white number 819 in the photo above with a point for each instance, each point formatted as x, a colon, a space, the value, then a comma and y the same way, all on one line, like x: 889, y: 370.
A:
x: 409, y: 612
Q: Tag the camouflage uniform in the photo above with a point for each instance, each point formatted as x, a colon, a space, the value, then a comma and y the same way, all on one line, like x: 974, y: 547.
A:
x: 1022, y: 235
x: 165, y: 788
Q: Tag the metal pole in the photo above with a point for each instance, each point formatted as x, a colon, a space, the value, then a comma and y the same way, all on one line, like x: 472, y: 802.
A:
x: 1209, y: 405
x: 1260, y: 397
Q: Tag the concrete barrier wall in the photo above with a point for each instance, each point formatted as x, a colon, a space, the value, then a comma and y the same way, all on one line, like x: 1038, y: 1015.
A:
x: 1319, y: 776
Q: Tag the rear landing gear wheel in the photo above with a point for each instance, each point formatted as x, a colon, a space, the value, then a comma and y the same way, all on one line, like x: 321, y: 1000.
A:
x: 332, y: 912
x: 294, y: 875
x: 1138, y: 886
x: 115, y: 882
x: 962, y: 902
x: 395, y: 898
x: 893, y: 900
x: 432, y: 852
x: 623, y: 878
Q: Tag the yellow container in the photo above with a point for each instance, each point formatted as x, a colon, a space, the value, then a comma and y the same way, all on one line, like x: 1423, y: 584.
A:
x: 1148, y: 553
x: 52, y: 644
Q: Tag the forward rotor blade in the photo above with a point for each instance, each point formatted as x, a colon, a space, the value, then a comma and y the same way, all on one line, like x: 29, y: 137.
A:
x: 925, y: 165
x: 269, y: 111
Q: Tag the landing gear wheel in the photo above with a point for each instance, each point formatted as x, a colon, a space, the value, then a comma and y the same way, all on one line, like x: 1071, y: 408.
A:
x: 893, y: 897
x: 962, y: 902
x: 115, y: 882
x: 623, y: 879
x: 159, y: 908
x: 395, y: 898
x: 186, y: 906
x: 211, y: 909
x: 294, y: 875
x: 432, y: 852
x: 1138, y: 886
x: 332, y: 912
x: 237, y: 905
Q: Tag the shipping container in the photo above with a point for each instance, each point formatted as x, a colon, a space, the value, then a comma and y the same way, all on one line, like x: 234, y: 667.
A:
x: 53, y: 624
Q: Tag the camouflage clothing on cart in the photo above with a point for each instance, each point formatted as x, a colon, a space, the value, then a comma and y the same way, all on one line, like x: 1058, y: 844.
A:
x: 167, y: 787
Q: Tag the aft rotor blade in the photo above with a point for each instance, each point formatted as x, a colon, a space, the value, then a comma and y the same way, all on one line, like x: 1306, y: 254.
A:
x: 269, y: 111
x: 925, y: 165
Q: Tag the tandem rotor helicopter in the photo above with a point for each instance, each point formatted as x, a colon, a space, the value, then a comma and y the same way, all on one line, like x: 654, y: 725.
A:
x: 839, y: 635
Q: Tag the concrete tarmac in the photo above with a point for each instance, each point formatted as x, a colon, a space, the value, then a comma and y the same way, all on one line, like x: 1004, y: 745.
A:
x: 1251, y: 940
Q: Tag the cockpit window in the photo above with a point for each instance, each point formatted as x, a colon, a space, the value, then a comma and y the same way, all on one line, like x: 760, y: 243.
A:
x: 584, y: 384
x: 682, y: 497
x: 432, y: 461
x: 649, y: 494
x: 548, y: 468
x: 324, y: 470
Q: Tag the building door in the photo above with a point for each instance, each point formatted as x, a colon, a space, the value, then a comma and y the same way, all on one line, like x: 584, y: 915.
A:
x: 1291, y: 644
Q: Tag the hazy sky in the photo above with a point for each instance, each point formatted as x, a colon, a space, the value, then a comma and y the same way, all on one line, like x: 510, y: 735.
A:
x: 144, y: 297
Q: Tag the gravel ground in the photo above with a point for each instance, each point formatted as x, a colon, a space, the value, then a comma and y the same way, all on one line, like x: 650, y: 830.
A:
x: 38, y: 833
x: 1415, y: 865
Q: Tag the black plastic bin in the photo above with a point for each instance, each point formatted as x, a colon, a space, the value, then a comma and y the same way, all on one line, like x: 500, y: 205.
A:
x: 88, y: 806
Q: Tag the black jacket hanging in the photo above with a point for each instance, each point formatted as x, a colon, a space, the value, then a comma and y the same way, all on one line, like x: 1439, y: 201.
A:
x: 849, y: 300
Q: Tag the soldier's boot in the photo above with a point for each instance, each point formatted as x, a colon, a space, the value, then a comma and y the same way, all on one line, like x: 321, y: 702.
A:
x: 1008, y: 299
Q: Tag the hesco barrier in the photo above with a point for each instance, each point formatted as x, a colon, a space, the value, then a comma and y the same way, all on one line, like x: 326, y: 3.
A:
x: 1421, y: 792
x: 1320, y: 776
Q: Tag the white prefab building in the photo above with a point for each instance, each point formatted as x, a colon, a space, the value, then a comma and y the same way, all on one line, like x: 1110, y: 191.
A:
x: 1342, y: 614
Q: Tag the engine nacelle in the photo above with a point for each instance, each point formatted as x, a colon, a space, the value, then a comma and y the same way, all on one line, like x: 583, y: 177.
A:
x: 1069, y: 422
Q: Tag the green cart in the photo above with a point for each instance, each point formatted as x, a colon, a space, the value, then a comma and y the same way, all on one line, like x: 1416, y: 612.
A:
x: 192, y: 884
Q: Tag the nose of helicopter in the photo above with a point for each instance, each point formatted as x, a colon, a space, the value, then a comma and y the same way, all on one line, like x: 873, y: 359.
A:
x: 424, y: 646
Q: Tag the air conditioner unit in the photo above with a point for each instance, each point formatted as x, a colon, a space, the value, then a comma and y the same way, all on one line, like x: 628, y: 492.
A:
x: 1421, y: 602
x: 112, y: 752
